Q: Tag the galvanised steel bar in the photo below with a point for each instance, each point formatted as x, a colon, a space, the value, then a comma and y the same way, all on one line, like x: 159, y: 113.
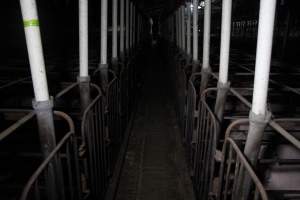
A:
x: 180, y: 28
x: 127, y: 26
x: 122, y: 30
x: 83, y: 78
x: 103, y: 57
x: 259, y: 115
x: 225, y: 40
x: 223, y: 84
x: 131, y: 27
x: 115, y: 31
x: 42, y: 103
x: 195, y: 31
x: 183, y: 30
x: 188, y: 29
x: 206, y: 34
x: 177, y: 28
x: 83, y: 39
x: 134, y: 26
x: 35, y: 50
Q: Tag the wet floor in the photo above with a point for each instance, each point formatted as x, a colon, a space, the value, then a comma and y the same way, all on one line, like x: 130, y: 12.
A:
x: 154, y: 166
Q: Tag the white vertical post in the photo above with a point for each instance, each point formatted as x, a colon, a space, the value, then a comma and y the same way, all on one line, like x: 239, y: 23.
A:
x: 35, y: 50
x: 131, y: 25
x: 127, y: 25
x: 225, y: 41
x: 83, y: 39
x: 177, y: 28
x: 188, y: 27
x: 183, y: 27
x: 206, y: 36
x: 103, y: 57
x: 115, y: 30
x: 122, y: 27
x: 263, y: 55
x: 180, y: 27
x: 195, y: 30
x: 134, y: 26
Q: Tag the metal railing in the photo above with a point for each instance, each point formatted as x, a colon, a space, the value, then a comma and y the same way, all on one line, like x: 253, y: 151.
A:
x: 192, y: 116
x: 232, y: 164
x: 206, y: 146
x: 57, y: 178
x: 94, y: 146
x: 113, y: 119
x: 93, y: 138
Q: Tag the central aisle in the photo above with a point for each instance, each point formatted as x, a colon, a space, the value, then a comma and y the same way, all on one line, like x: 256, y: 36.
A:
x: 154, y: 167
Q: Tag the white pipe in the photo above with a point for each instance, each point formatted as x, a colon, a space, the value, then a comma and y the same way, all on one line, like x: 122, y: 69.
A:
x: 127, y: 24
x: 188, y: 27
x: 138, y: 28
x: 35, y: 50
x: 115, y: 30
x: 83, y: 39
x: 177, y: 28
x: 134, y: 24
x: 225, y: 40
x: 183, y: 27
x: 131, y: 25
x: 263, y: 55
x: 122, y: 15
x: 195, y: 30
x: 180, y: 27
x: 103, y: 32
x: 206, y: 36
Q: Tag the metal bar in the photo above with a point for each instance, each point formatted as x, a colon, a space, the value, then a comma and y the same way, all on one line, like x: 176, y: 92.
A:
x: 122, y: 15
x: 83, y: 39
x: 131, y: 26
x: 225, y: 40
x: 115, y: 30
x: 127, y: 26
x: 195, y: 30
x: 183, y: 31
x: 35, y: 50
x: 263, y: 55
x: 188, y: 31
x: 206, y: 36
x: 103, y: 56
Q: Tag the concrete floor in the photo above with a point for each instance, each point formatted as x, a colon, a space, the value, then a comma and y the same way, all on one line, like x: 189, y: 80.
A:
x: 154, y: 167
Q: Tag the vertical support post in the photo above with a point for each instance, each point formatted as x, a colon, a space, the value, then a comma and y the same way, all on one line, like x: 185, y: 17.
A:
x: 206, y: 46
x: 206, y: 36
x: 188, y: 30
x: 261, y: 79
x: 83, y: 78
x: 179, y: 28
x: 223, y: 84
x: 122, y: 35
x: 103, y: 57
x: 134, y: 26
x: 131, y: 26
x: 138, y: 28
x: 183, y: 28
x: 259, y: 116
x: 195, y: 31
x: 127, y: 26
x: 42, y: 103
x: 115, y: 31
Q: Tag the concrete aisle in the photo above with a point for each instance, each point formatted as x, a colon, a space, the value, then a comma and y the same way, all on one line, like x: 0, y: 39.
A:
x: 154, y: 167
